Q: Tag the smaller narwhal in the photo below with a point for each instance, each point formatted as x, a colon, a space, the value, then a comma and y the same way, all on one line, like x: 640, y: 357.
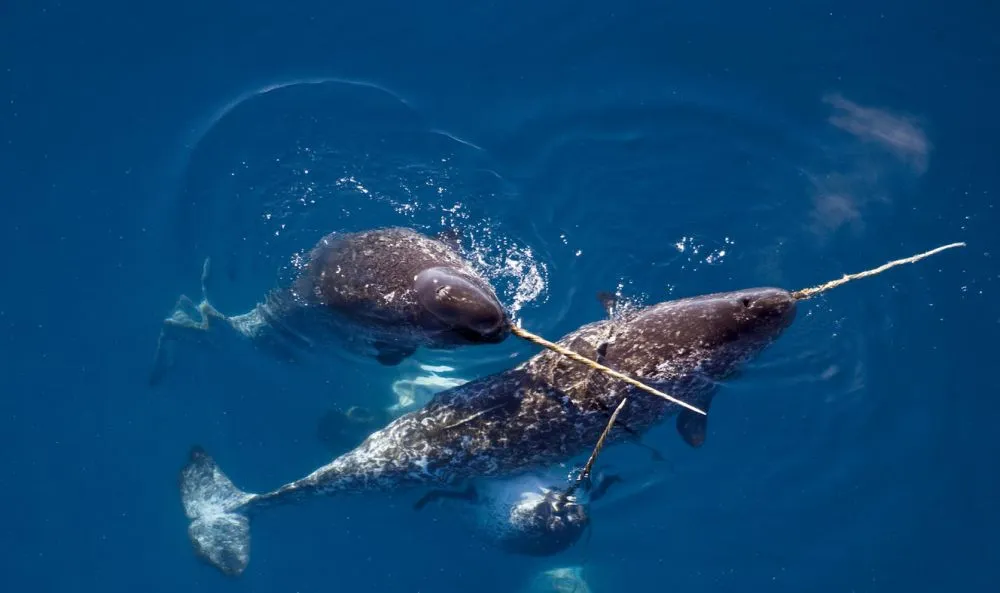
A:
x: 383, y: 292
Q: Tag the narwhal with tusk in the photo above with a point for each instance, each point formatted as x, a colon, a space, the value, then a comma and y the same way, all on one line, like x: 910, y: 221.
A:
x: 546, y: 410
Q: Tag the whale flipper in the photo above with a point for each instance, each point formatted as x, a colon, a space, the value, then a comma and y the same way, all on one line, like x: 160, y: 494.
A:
x: 693, y: 427
x: 391, y: 354
x: 219, y: 530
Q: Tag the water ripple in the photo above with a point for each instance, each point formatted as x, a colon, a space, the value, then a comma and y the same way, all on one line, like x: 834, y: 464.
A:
x: 279, y: 167
x: 654, y: 197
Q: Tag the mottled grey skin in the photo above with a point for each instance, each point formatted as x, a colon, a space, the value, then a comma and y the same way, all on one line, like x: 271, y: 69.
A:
x: 383, y: 293
x: 543, y: 525
x: 545, y: 522
x: 542, y: 521
x: 547, y: 410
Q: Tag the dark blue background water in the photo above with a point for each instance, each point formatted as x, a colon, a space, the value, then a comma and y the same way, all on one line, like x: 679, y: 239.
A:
x: 673, y: 148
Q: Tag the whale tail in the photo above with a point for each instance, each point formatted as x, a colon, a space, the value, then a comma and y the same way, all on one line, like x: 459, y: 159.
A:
x: 188, y: 322
x: 220, y: 527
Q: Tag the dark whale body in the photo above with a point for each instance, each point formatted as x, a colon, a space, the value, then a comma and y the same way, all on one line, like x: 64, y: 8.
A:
x: 382, y: 293
x: 546, y: 410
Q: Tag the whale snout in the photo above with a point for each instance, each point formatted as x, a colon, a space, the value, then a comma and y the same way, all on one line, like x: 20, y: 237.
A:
x: 773, y: 309
x: 496, y: 331
x: 463, y: 306
x: 485, y: 322
x: 745, y: 320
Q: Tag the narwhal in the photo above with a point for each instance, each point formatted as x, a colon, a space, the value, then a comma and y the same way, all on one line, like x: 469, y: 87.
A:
x: 383, y: 293
x: 544, y: 411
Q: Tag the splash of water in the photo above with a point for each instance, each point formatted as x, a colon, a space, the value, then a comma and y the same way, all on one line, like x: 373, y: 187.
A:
x: 518, y: 275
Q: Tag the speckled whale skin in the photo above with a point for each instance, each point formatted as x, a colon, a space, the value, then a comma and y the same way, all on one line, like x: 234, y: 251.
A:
x: 360, y: 289
x: 381, y: 293
x: 547, y: 410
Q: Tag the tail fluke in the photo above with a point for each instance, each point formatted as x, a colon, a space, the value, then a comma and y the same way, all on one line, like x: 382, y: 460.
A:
x: 219, y: 529
x: 181, y: 325
x: 189, y: 321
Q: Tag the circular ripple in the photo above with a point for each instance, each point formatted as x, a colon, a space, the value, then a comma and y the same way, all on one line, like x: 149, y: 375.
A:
x: 280, y: 167
x: 663, y: 196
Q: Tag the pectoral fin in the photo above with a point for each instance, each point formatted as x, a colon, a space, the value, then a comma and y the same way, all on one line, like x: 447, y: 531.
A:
x: 692, y: 426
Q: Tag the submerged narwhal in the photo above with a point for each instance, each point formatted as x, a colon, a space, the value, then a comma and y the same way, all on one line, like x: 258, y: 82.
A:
x: 526, y: 516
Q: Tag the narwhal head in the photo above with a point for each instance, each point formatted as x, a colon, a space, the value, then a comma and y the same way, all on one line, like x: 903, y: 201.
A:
x: 544, y: 523
x: 462, y: 307
x: 711, y: 335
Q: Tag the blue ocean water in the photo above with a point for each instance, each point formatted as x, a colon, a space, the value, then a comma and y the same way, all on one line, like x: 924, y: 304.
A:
x: 659, y: 150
